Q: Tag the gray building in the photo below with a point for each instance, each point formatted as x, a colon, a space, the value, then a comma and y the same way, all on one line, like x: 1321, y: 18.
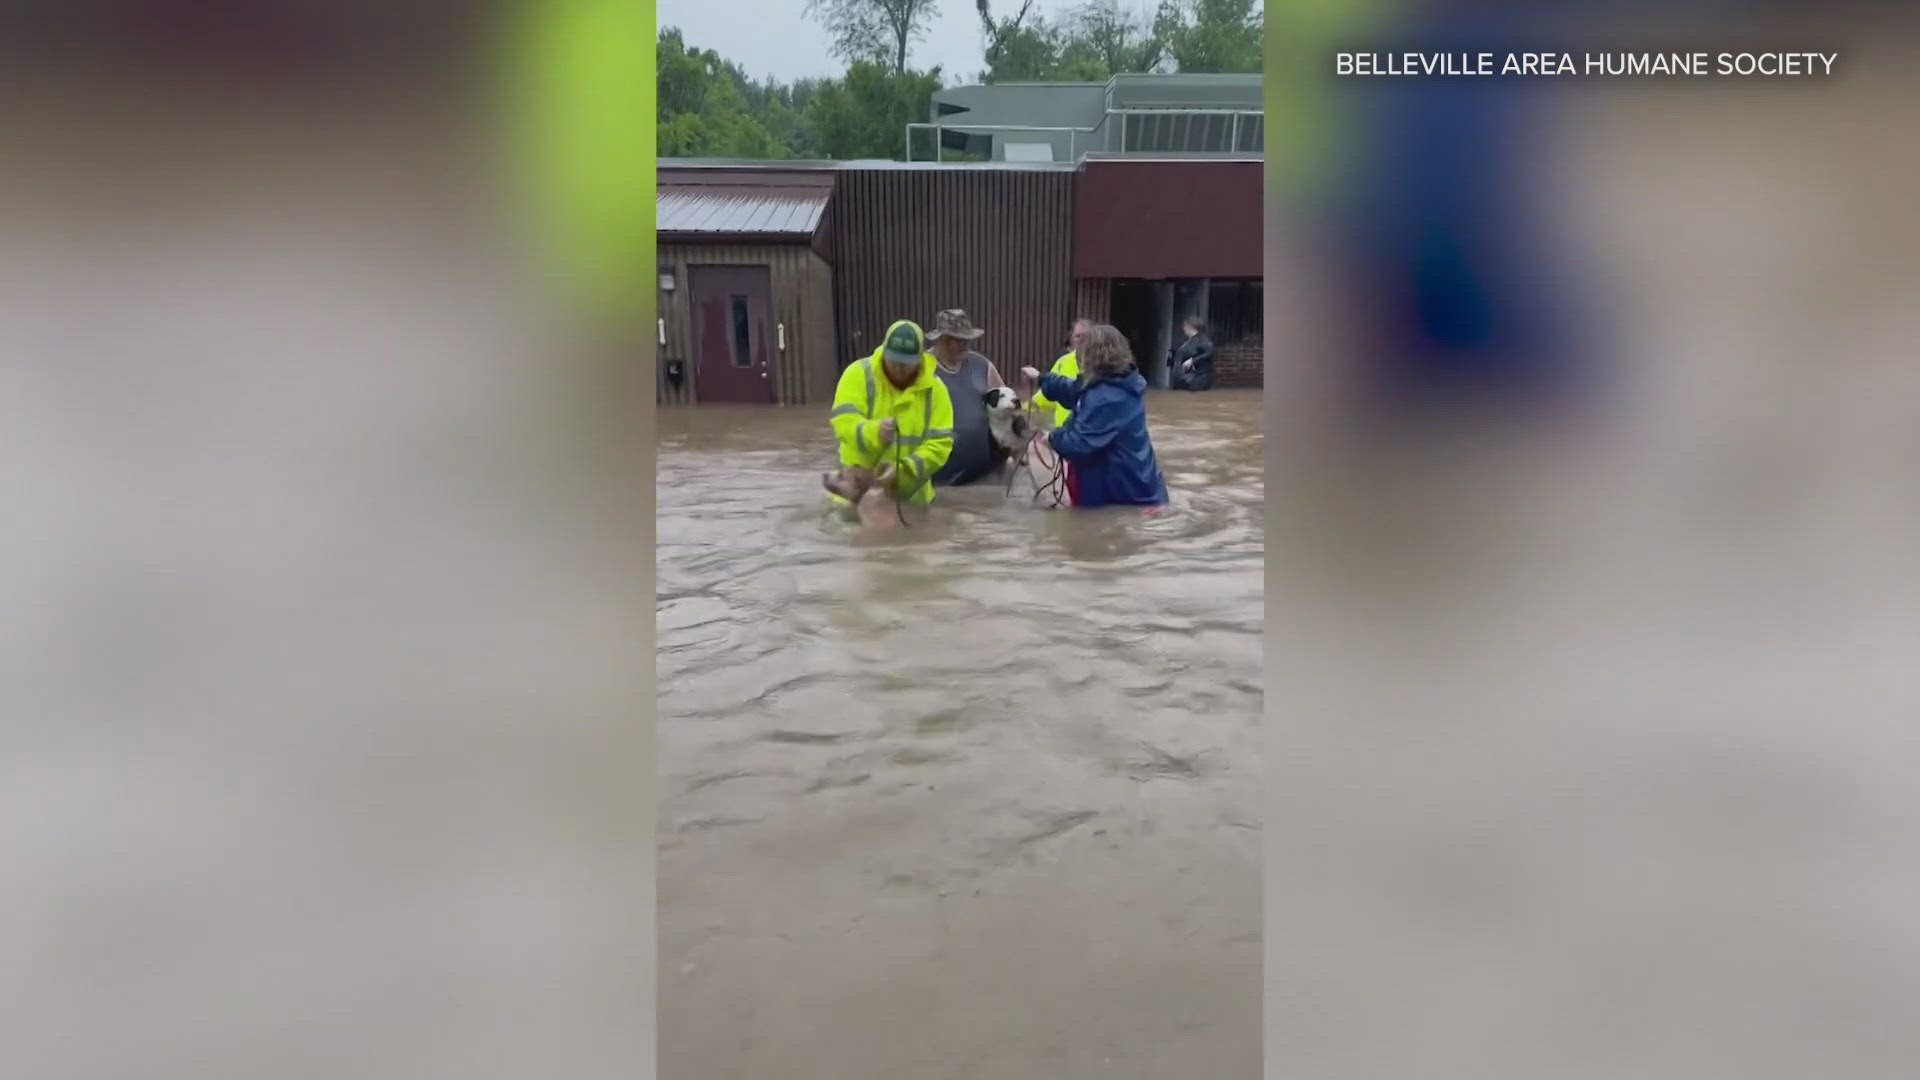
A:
x: 1161, y: 115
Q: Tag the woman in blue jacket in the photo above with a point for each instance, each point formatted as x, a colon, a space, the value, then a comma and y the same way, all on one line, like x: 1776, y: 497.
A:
x: 1104, y: 442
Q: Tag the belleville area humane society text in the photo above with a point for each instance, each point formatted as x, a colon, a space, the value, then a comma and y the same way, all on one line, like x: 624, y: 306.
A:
x: 1469, y: 64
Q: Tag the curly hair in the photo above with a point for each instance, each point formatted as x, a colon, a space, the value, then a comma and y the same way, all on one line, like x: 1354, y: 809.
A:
x: 1106, y: 353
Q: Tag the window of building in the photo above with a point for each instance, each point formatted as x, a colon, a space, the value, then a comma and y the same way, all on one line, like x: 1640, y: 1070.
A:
x: 1234, y: 311
x: 1173, y: 131
x: 742, y: 337
x: 1252, y: 134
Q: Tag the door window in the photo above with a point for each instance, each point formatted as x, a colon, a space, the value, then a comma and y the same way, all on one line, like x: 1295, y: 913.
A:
x: 742, y: 340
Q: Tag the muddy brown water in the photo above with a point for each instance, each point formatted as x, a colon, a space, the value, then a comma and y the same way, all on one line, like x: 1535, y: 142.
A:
x: 975, y: 799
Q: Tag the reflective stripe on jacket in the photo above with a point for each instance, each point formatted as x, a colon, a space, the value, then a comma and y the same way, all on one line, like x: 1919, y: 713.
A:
x: 1068, y: 368
x: 923, y: 422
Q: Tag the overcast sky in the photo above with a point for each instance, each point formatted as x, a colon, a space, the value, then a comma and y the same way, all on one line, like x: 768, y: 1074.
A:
x: 773, y: 37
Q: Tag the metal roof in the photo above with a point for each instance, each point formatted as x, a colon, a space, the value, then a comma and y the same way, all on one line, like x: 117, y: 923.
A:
x: 958, y: 166
x: 689, y: 193
x: 1183, y: 157
x: 769, y: 165
x: 781, y: 165
x: 760, y: 210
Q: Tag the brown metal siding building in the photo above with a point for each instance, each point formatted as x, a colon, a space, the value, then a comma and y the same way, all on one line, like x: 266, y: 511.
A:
x: 1171, y: 238
x: 743, y: 253
x: 996, y: 241
x: 1167, y: 219
x: 784, y: 273
x: 802, y: 318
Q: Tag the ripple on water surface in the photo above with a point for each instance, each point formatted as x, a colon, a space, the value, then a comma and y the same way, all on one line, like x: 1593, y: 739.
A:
x: 1032, y: 658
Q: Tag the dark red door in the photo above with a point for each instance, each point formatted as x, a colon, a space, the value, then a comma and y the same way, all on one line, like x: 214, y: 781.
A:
x: 732, y: 334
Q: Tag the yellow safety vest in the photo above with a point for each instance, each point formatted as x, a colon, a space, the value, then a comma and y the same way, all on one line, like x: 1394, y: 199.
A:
x: 1067, y: 367
x: 923, y: 423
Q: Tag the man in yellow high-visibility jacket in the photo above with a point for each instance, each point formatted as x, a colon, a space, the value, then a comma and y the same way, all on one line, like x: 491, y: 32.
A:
x: 1067, y: 367
x: 893, y: 420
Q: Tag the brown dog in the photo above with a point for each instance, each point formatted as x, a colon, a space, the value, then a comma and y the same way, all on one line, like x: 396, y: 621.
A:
x: 871, y: 494
x: 850, y: 483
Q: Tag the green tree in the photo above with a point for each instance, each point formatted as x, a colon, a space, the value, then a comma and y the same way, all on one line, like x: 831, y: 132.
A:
x: 1017, y: 50
x: 1090, y: 43
x: 865, y: 114
x: 709, y: 107
x: 702, y: 105
x: 1212, y: 35
x: 1114, y: 40
x: 1024, y: 54
x: 780, y: 108
x: 875, y: 30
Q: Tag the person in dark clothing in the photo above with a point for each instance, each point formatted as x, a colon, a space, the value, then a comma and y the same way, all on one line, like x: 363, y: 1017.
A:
x: 1104, y: 443
x: 1190, y: 365
x: 968, y: 376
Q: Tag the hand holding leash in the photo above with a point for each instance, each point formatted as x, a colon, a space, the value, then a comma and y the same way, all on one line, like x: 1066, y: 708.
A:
x: 888, y: 429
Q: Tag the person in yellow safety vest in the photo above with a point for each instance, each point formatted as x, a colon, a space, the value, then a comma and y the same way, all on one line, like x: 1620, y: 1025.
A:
x: 893, y: 420
x: 1067, y: 367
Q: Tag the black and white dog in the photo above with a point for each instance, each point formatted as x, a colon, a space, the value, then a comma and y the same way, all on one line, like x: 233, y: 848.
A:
x: 1007, y: 419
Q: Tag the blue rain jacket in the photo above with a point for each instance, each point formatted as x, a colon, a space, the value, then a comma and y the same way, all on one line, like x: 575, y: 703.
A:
x: 1105, y: 441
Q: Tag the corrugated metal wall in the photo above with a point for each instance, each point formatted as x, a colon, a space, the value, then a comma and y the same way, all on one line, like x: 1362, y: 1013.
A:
x: 998, y: 243
x: 1093, y: 299
x: 802, y: 300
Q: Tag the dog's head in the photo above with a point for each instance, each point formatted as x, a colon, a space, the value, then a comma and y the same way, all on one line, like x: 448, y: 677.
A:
x: 1001, y: 399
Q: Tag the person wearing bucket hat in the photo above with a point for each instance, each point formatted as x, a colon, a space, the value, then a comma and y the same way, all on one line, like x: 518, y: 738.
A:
x: 968, y: 376
x: 893, y: 421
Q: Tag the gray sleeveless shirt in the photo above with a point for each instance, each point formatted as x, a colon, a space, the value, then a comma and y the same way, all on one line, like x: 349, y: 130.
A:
x: 975, y: 454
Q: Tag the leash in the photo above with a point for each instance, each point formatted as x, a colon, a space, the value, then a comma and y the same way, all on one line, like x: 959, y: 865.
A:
x: 899, y: 462
x: 900, y: 501
x: 1056, y: 485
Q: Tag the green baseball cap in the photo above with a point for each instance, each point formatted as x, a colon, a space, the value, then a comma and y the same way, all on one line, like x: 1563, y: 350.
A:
x: 904, y: 344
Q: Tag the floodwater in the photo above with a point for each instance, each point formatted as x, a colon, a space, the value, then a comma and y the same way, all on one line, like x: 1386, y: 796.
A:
x: 975, y: 799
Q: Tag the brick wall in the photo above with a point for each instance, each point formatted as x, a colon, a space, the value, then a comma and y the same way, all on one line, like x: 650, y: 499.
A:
x: 1238, y: 364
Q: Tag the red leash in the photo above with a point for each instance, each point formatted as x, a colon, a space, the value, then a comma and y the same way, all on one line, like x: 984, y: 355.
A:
x: 1058, y: 484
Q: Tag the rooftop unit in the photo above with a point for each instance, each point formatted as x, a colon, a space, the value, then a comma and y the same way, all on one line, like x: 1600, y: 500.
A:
x: 1184, y: 115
